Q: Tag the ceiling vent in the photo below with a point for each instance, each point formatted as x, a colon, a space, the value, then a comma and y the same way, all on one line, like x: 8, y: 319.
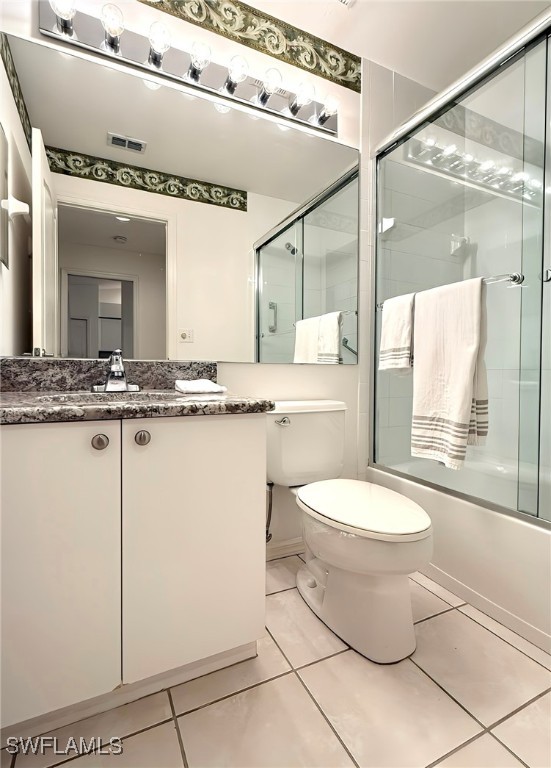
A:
x: 125, y: 142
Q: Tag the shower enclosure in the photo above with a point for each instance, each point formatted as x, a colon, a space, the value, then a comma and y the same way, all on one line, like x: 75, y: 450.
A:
x: 308, y: 266
x: 468, y: 193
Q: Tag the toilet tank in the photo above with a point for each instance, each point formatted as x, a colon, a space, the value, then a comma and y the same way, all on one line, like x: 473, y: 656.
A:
x: 305, y: 441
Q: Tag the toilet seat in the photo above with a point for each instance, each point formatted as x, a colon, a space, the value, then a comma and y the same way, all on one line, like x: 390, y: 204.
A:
x: 365, y: 509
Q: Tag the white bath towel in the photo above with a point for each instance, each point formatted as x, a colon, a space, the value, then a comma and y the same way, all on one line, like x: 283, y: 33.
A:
x: 330, y: 338
x: 450, y: 391
x: 395, y: 350
x: 199, y: 387
x: 306, y: 340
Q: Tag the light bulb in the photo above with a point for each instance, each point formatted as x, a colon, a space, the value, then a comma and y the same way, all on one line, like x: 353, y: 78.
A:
x: 329, y: 109
x: 159, y: 40
x: 270, y: 84
x: 487, y: 165
x: 64, y: 13
x: 449, y: 150
x: 200, y: 58
x: 113, y: 23
x: 64, y: 9
x: 238, y: 71
x: 305, y: 94
x: 520, y: 177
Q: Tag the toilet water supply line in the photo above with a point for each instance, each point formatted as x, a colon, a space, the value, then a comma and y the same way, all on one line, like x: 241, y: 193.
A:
x: 270, y: 487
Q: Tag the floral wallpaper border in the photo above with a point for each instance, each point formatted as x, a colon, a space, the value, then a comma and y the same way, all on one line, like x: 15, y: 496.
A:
x: 13, y: 79
x: 246, y: 25
x: 132, y: 177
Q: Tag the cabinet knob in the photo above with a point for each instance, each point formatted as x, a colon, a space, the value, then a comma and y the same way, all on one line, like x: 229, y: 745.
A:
x: 142, y: 437
x: 99, y: 442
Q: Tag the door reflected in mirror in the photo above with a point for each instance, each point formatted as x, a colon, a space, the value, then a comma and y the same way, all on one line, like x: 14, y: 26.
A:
x: 113, y: 284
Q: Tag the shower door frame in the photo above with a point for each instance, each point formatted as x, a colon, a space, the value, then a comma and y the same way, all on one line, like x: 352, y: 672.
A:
x: 538, y: 31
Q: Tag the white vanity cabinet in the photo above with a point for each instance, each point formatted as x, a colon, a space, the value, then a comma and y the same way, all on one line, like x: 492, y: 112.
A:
x: 193, y: 539
x: 61, y: 559
x: 191, y: 511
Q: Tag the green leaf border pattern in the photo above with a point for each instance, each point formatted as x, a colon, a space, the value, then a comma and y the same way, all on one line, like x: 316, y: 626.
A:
x: 242, y: 23
x: 133, y: 177
x: 15, y: 85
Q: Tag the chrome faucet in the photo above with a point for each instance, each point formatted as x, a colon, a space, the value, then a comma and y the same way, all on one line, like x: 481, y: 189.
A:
x: 116, y: 376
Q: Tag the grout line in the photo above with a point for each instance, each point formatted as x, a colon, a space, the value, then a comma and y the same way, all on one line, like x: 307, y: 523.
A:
x: 432, y: 616
x: 235, y: 693
x: 519, y: 709
x: 456, y: 749
x: 508, y: 749
x: 507, y: 641
x: 318, y: 707
x: 178, y: 732
x: 447, y: 693
x: 277, y: 559
x: 278, y: 591
x: 317, y: 661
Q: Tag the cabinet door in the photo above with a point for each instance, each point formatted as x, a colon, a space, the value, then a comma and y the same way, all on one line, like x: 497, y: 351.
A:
x: 194, y: 513
x: 61, y: 608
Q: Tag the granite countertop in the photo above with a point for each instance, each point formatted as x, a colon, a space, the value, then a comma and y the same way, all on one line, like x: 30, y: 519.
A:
x: 40, y: 407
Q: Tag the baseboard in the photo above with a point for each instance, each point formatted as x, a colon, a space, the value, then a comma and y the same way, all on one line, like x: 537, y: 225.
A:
x: 508, y: 619
x: 128, y: 693
x: 284, y: 548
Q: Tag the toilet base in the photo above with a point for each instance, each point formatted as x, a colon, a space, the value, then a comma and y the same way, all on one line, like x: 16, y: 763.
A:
x: 369, y: 612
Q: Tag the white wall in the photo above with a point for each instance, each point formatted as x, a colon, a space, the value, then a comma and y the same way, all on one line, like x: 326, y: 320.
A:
x: 149, y: 268
x: 15, y: 286
x: 210, y: 263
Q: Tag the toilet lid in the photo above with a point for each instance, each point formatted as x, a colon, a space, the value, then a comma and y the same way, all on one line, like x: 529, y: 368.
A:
x: 365, y: 508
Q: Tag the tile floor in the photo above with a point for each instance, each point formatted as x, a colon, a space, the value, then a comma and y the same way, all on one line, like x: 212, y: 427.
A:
x: 473, y: 695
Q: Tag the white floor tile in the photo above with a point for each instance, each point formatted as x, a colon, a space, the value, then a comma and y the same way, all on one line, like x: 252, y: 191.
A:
x: 485, y: 752
x: 387, y: 715
x: 486, y: 675
x: 157, y: 748
x: 528, y: 733
x: 425, y: 603
x: 442, y: 592
x: 274, y: 724
x: 519, y: 642
x: 269, y: 663
x: 302, y: 637
x: 282, y: 574
x: 119, y: 722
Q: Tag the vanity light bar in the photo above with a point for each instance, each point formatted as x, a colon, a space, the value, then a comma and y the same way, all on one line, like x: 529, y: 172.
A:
x: 154, y: 53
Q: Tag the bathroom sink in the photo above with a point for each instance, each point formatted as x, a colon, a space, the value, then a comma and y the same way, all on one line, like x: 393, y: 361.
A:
x: 93, y: 398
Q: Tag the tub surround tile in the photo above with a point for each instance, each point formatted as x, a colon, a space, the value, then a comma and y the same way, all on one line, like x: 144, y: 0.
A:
x: 441, y: 592
x: 509, y: 636
x: 425, y: 603
x: 282, y: 574
x: 388, y: 715
x: 482, y: 672
x: 27, y: 408
x: 528, y: 733
x: 274, y: 724
x: 118, y: 722
x: 484, y: 752
x: 268, y: 663
x: 56, y: 374
x: 302, y: 637
x: 156, y: 748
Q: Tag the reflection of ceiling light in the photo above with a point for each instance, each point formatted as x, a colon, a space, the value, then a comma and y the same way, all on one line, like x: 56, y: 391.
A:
x: 159, y: 40
x: 520, y: 176
x: 200, y: 59
x: 487, y: 165
x: 468, y: 158
x: 151, y: 85
x: 449, y: 150
x: 122, y: 218
x: 113, y: 24
x: 222, y: 108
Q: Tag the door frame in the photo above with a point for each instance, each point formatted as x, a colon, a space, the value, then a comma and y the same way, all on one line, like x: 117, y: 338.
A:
x: 64, y: 302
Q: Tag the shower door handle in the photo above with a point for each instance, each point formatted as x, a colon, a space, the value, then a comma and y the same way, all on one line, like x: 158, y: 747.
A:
x: 273, y: 306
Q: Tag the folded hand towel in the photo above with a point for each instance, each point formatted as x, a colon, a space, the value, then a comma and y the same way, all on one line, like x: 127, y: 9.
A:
x: 450, y: 394
x: 198, y: 386
x: 397, y: 333
x: 306, y: 340
x: 329, y: 338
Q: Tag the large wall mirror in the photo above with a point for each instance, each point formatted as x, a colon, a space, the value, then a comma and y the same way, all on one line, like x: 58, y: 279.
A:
x: 164, y: 275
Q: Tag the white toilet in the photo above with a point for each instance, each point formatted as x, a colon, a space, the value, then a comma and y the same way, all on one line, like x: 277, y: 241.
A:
x: 362, y: 540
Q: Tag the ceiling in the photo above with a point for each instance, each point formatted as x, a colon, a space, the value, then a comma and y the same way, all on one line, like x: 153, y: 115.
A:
x: 76, y: 102
x: 431, y: 41
x: 86, y: 226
